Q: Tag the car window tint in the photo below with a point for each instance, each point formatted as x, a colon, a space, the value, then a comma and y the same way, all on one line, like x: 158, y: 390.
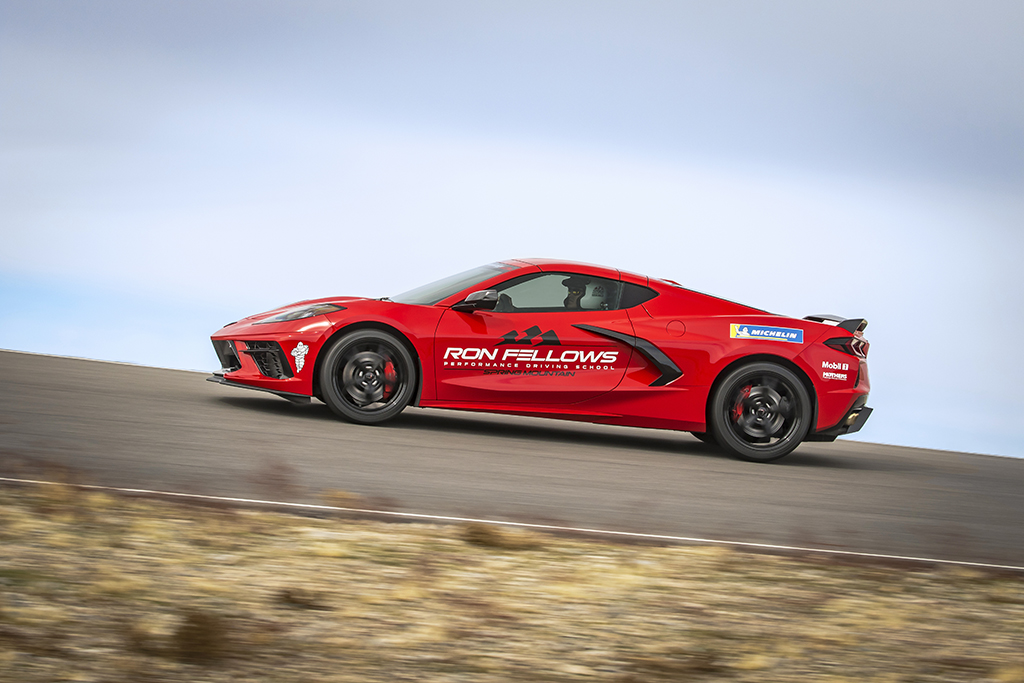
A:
x: 634, y: 295
x: 558, y: 292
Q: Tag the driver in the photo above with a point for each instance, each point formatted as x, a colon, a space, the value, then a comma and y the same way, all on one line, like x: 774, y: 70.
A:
x: 577, y: 288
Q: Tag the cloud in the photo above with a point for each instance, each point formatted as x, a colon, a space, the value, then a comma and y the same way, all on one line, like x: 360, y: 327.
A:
x: 902, y: 88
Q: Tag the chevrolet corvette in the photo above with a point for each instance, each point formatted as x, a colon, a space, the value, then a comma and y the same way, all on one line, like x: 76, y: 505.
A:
x: 569, y: 341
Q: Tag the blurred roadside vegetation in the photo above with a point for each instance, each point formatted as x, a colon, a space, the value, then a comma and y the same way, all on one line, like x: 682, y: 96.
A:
x: 95, y: 587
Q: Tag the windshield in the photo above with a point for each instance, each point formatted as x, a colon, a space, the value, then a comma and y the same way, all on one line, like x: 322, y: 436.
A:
x: 428, y: 295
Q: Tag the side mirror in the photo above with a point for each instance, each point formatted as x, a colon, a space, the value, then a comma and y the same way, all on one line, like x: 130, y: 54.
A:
x: 484, y: 300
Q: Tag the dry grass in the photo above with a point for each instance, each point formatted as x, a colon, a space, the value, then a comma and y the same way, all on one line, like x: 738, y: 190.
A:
x: 106, y: 589
x: 491, y: 536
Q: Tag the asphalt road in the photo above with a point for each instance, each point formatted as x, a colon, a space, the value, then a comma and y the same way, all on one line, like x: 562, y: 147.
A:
x: 130, y: 426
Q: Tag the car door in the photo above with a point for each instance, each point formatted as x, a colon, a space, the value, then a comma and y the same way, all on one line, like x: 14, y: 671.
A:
x: 530, y: 348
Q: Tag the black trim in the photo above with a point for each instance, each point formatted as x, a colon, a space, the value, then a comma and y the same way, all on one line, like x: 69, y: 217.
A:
x: 862, y: 417
x: 852, y: 346
x: 299, y: 399
x: 670, y: 372
x: 227, y: 354
x: 840, y: 429
x: 270, y: 359
x: 634, y: 295
x: 853, y: 325
x: 839, y: 344
x: 483, y: 300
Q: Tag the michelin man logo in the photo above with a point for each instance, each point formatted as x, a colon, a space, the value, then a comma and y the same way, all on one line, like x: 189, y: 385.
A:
x: 299, y: 352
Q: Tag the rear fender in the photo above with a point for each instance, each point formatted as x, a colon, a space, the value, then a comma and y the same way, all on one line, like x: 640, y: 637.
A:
x: 766, y: 358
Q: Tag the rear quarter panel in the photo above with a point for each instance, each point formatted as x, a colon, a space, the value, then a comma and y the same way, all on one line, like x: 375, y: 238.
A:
x: 839, y: 378
x: 696, y: 331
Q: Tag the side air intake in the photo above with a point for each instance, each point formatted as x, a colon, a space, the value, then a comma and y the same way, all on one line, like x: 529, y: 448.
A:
x: 227, y: 355
x: 269, y: 358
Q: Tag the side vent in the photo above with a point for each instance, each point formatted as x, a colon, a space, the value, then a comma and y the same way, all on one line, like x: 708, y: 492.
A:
x: 229, y: 361
x: 269, y: 358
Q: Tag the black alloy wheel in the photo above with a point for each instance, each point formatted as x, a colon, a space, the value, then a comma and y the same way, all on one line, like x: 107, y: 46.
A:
x: 760, y: 412
x: 368, y: 377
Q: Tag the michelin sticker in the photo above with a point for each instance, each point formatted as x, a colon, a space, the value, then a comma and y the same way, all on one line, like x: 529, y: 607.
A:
x: 299, y: 352
x: 783, y: 334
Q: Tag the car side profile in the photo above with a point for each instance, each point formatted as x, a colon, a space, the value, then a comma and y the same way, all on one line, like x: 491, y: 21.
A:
x: 569, y: 341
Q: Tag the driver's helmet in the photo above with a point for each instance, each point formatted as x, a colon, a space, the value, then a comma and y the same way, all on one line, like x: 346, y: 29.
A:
x: 577, y: 289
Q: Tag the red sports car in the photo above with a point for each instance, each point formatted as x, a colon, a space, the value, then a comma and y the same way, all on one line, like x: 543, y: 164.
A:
x: 570, y: 341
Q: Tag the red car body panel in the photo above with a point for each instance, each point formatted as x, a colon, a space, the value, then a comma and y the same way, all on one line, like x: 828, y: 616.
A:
x: 544, y: 364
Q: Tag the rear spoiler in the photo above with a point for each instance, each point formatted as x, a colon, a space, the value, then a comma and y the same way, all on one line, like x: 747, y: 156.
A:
x: 851, y: 325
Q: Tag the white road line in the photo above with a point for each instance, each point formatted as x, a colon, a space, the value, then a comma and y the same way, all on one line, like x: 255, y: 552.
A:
x: 524, y: 525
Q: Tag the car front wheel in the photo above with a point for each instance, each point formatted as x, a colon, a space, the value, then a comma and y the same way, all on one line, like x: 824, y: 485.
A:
x: 368, y: 377
x: 760, y: 412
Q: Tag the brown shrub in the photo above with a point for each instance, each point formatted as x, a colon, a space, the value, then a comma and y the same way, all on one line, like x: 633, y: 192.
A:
x: 491, y: 536
x: 298, y: 597
x: 202, y: 637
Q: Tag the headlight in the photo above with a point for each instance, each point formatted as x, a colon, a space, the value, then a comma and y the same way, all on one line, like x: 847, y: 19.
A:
x: 302, y: 312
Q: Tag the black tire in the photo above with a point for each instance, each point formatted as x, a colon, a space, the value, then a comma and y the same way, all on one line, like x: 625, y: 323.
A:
x: 760, y: 412
x: 368, y: 377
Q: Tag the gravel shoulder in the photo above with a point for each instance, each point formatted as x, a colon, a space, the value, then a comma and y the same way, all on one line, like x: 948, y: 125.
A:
x: 95, y: 587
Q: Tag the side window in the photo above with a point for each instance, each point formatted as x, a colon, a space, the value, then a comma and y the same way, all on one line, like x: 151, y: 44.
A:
x: 558, y: 292
x: 634, y: 295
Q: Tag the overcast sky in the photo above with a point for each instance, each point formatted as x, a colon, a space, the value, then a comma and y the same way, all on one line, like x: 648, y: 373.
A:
x: 166, y: 168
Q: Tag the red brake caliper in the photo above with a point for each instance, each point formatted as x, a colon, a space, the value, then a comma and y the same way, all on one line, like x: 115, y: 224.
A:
x: 737, y: 410
x: 390, y: 379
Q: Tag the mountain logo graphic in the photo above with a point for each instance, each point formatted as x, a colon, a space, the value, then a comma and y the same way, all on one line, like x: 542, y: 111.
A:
x: 548, y: 338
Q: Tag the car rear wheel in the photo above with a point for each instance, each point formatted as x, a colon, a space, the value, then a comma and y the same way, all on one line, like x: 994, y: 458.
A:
x: 368, y: 377
x: 760, y: 412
